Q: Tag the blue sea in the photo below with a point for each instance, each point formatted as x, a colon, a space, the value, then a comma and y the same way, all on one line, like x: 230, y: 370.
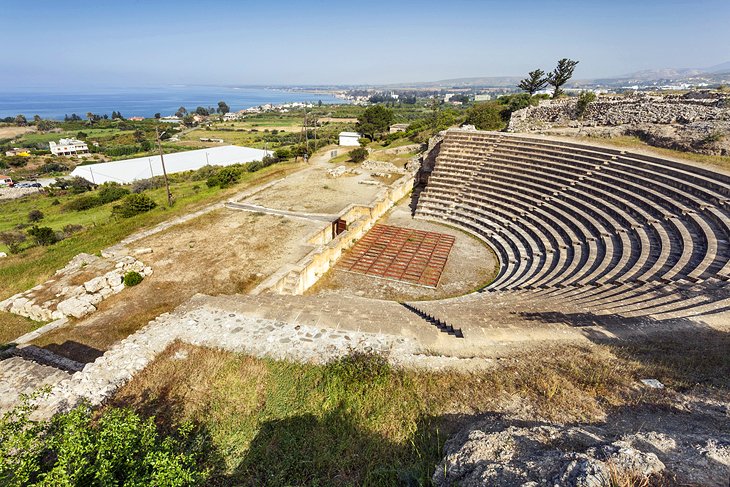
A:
x: 145, y: 102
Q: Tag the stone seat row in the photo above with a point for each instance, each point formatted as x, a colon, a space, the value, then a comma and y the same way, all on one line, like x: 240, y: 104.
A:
x: 583, y: 223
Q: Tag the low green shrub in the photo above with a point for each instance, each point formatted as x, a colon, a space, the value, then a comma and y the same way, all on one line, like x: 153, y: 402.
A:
x: 43, y: 235
x: 111, y: 192
x: 79, y: 447
x: 359, y: 155
x: 132, y: 278
x: 149, y: 183
x: 584, y: 99
x: 82, y: 203
x: 224, y: 177
x: 13, y: 239
x: 133, y: 204
x: 35, y: 215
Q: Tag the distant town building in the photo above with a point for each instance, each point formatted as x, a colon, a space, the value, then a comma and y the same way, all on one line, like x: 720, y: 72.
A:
x: 68, y: 147
x: 350, y: 139
x: 16, y: 151
x: 136, y: 119
x: 210, y: 139
x: 231, y: 116
x: 398, y: 127
x: 482, y: 97
x: 170, y: 119
x: 448, y: 96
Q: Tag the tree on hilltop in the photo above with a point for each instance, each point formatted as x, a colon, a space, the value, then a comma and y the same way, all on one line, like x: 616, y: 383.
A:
x: 560, y: 75
x: 535, y: 81
x: 20, y: 120
x: 181, y: 112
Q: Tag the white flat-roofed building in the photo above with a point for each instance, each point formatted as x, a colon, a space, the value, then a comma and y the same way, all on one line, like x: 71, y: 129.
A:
x: 350, y: 139
x: 130, y: 170
x: 68, y: 147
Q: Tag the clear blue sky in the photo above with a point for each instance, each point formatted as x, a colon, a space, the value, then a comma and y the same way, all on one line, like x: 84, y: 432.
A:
x: 73, y: 43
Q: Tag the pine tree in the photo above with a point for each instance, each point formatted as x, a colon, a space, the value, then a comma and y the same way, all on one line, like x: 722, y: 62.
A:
x: 535, y: 81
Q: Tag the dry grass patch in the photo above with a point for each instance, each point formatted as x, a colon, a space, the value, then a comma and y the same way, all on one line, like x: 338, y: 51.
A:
x: 13, y: 326
x: 626, y: 141
x: 358, y: 420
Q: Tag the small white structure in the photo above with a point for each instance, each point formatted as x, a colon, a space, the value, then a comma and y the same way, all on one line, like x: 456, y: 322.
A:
x: 68, y: 147
x: 350, y: 139
x: 130, y: 170
x: 482, y: 97
x: 398, y: 127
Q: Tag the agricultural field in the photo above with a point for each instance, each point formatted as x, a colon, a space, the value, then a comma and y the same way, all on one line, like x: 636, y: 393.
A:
x: 35, y: 264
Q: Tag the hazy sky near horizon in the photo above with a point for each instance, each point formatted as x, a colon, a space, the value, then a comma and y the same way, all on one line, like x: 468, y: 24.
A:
x: 90, y: 44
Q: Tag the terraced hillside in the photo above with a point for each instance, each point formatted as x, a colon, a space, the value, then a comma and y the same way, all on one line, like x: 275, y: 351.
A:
x: 584, y: 227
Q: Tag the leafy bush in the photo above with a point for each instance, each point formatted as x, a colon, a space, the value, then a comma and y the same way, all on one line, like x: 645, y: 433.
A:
x: 43, y: 235
x: 76, y: 185
x: 359, y: 155
x: 282, y: 153
x: 224, y: 177
x: 70, y: 229
x: 146, y: 184
x: 16, y: 161
x: 486, y: 116
x: 35, y: 215
x: 116, y: 447
x: 204, y: 173
x: 267, y: 161
x: 13, y: 239
x: 584, y: 99
x: 132, y: 278
x: 134, y: 204
x: 122, y: 150
x: 111, y: 192
x: 82, y: 203
x: 50, y: 167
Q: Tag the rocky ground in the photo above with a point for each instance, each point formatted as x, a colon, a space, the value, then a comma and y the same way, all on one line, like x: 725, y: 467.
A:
x: 684, y: 444
x: 696, y: 122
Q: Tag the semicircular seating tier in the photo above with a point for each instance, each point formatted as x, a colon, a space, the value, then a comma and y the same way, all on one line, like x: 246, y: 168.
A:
x: 620, y: 232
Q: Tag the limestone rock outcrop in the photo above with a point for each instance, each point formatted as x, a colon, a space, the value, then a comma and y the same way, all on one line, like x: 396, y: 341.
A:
x: 60, y: 298
x: 697, y: 122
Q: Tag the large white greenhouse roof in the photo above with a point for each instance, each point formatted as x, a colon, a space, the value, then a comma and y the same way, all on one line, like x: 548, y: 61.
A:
x: 130, y: 170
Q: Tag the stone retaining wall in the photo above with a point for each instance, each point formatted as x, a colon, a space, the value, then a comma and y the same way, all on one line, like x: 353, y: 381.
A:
x: 615, y: 110
x: 695, y: 122
x: 74, y: 301
x: 297, y: 278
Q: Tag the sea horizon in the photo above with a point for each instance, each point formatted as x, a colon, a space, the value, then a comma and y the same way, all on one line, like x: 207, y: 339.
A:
x: 146, y: 101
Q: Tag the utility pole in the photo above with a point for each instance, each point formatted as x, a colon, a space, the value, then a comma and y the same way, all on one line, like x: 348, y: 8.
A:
x: 162, y: 161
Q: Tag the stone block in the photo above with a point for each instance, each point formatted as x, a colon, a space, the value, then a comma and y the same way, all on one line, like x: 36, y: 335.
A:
x: 75, y: 307
x: 96, y: 284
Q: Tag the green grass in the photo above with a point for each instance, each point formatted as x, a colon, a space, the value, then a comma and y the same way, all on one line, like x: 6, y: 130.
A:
x: 32, y: 266
x: 358, y: 421
x: 13, y: 326
x: 34, y: 137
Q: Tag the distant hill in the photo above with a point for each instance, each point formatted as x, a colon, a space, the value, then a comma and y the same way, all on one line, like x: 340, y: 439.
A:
x: 483, y: 81
x: 719, y: 73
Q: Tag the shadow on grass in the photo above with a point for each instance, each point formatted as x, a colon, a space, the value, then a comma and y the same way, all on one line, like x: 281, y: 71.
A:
x: 334, y: 450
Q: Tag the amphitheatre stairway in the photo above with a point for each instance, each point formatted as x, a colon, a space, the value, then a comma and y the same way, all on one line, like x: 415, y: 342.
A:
x: 584, y: 227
